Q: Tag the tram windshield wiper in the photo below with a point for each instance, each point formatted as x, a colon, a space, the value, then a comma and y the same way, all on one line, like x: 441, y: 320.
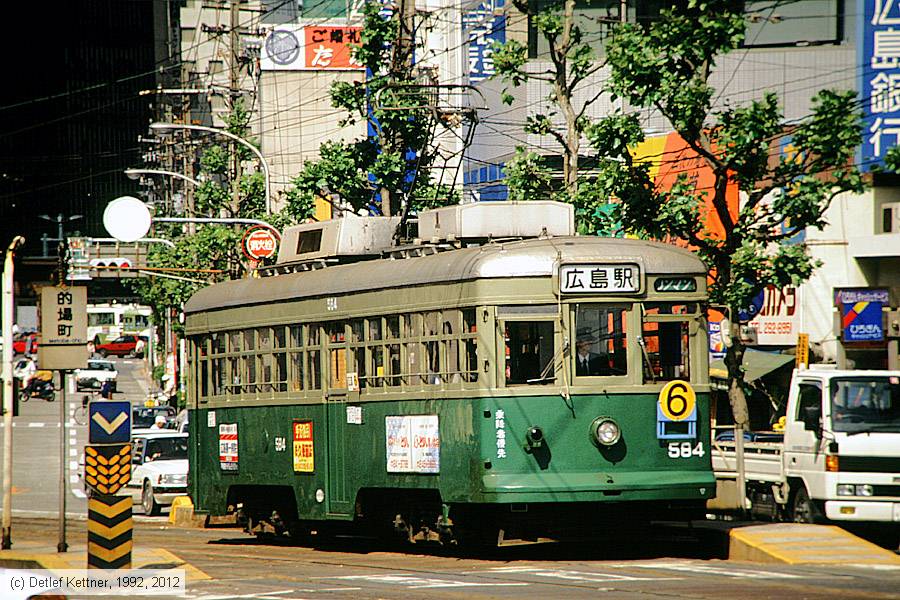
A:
x: 640, y: 341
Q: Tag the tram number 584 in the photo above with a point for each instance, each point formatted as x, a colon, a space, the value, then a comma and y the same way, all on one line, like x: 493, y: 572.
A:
x: 685, y: 450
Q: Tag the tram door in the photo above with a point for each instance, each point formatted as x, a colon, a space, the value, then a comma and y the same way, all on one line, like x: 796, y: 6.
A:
x: 337, y: 498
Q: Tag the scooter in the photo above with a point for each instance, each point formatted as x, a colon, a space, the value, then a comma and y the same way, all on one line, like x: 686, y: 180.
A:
x: 40, y: 389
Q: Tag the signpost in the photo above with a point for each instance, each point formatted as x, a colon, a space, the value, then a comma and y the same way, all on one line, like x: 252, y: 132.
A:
x: 107, y: 468
x: 259, y: 244
x: 802, y: 361
x: 63, y: 347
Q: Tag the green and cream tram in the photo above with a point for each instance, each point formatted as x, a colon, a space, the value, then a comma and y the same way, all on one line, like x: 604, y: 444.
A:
x: 453, y: 390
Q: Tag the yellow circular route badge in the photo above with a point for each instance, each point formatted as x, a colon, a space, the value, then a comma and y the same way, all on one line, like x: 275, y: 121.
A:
x: 677, y: 400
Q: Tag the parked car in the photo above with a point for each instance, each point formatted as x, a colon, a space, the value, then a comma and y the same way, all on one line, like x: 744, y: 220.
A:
x: 159, y: 463
x: 96, y: 373
x: 27, y: 343
x: 142, y: 417
x: 124, y: 345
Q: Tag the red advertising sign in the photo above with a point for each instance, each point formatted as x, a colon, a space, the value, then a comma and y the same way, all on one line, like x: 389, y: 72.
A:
x: 260, y: 243
x: 304, y: 448
x: 328, y: 47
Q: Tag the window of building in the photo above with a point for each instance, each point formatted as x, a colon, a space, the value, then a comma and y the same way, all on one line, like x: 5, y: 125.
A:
x: 601, y: 336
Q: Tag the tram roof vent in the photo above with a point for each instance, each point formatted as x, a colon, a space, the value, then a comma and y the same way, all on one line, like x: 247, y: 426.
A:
x: 348, y: 237
x: 492, y: 220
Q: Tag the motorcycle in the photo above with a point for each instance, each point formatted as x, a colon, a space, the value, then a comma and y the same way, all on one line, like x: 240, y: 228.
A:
x: 39, y: 388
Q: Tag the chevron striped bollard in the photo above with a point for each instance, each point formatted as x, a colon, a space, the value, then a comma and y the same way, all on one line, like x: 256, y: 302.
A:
x: 109, y: 532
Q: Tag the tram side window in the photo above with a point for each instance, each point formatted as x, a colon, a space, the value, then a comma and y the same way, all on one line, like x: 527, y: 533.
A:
x: 281, y: 372
x: 313, y: 358
x: 529, y: 352
x: 266, y: 360
x: 601, y: 334
x: 358, y: 350
x: 433, y: 357
x: 337, y: 356
x: 470, y: 345
x: 666, y: 341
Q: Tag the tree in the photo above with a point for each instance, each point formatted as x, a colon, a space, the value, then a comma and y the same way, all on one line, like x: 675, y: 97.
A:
x: 395, y: 162
x: 666, y: 66
x: 208, y: 253
x: 572, y: 61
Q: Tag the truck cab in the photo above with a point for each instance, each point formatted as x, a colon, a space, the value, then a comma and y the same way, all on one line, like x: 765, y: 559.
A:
x: 841, y: 453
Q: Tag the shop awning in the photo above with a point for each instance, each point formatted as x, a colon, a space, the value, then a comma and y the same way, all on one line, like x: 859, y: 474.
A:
x: 756, y: 364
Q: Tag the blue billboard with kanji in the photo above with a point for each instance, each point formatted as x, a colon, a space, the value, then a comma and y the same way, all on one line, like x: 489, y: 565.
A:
x: 878, y: 51
x: 861, y: 315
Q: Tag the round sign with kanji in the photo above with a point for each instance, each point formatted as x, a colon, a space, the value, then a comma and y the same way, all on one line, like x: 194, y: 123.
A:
x: 260, y: 243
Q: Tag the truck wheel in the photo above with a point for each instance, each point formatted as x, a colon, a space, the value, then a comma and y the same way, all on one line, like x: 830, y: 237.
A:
x: 103, y: 353
x: 804, y: 511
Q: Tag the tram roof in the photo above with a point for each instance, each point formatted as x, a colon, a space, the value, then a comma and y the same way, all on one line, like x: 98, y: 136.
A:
x: 525, y: 258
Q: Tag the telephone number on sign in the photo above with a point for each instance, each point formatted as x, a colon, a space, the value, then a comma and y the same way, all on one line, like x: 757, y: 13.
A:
x: 779, y: 327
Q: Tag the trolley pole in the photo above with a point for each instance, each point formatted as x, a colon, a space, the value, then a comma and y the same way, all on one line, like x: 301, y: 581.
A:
x: 62, y: 546
x: 8, y: 391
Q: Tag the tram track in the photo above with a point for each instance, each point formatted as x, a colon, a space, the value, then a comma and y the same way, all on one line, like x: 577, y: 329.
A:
x: 365, y: 568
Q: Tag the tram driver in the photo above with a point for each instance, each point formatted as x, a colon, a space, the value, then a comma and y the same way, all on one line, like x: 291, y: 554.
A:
x: 588, y: 362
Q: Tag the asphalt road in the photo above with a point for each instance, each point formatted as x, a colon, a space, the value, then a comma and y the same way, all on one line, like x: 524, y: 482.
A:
x: 36, y: 446
x: 661, y: 563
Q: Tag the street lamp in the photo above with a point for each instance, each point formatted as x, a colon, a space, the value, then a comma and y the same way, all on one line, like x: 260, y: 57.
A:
x: 136, y: 174
x: 163, y: 128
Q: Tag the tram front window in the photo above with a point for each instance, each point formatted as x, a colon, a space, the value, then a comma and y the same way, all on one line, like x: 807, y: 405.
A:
x: 529, y: 352
x: 666, y: 338
x: 600, y: 341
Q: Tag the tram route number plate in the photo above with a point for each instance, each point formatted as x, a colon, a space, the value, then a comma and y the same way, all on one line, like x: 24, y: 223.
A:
x: 676, y: 412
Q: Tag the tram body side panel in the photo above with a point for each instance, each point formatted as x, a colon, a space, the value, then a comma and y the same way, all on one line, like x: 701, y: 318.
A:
x: 568, y: 466
x: 326, y: 472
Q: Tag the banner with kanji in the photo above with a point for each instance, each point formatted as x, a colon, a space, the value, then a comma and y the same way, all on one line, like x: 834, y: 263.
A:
x: 310, y: 47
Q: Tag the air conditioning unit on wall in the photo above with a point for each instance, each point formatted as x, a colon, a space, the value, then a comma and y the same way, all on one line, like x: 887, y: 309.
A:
x: 890, y: 217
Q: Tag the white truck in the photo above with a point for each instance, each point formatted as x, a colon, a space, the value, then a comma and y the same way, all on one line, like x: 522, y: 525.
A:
x: 837, y: 459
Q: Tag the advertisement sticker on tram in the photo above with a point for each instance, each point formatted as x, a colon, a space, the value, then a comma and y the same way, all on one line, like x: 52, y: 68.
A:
x: 413, y: 444
x: 228, y: 447
x: 304, y: 448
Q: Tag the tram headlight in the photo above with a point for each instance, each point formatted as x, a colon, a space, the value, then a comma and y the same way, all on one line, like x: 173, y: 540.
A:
x: 605, y: 431
x: 534, y: 438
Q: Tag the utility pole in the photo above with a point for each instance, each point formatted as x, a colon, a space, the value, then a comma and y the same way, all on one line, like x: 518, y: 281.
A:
x: 233, y: 93
x: 401, y: 68
x: 8, y: 390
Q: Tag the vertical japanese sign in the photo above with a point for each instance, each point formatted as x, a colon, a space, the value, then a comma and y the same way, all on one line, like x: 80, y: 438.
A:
x: 482, y: 26
x: 413, y: 444
x: 861, y: 314
x: 63, y: 328
x: 310, y: 47
x: 878, y: 54
x: 228, y: 446
x: 304, y: 451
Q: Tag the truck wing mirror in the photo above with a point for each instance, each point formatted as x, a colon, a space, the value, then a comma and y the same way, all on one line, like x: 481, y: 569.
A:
x: 812, y: 415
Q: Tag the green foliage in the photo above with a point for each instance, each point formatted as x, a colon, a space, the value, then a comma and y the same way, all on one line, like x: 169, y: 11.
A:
x: 527, y: 177
x: 211, y: 247
x: 179, y: 272
x: 572, y: 59
x: 352, y: 173
x: 665, y: 66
